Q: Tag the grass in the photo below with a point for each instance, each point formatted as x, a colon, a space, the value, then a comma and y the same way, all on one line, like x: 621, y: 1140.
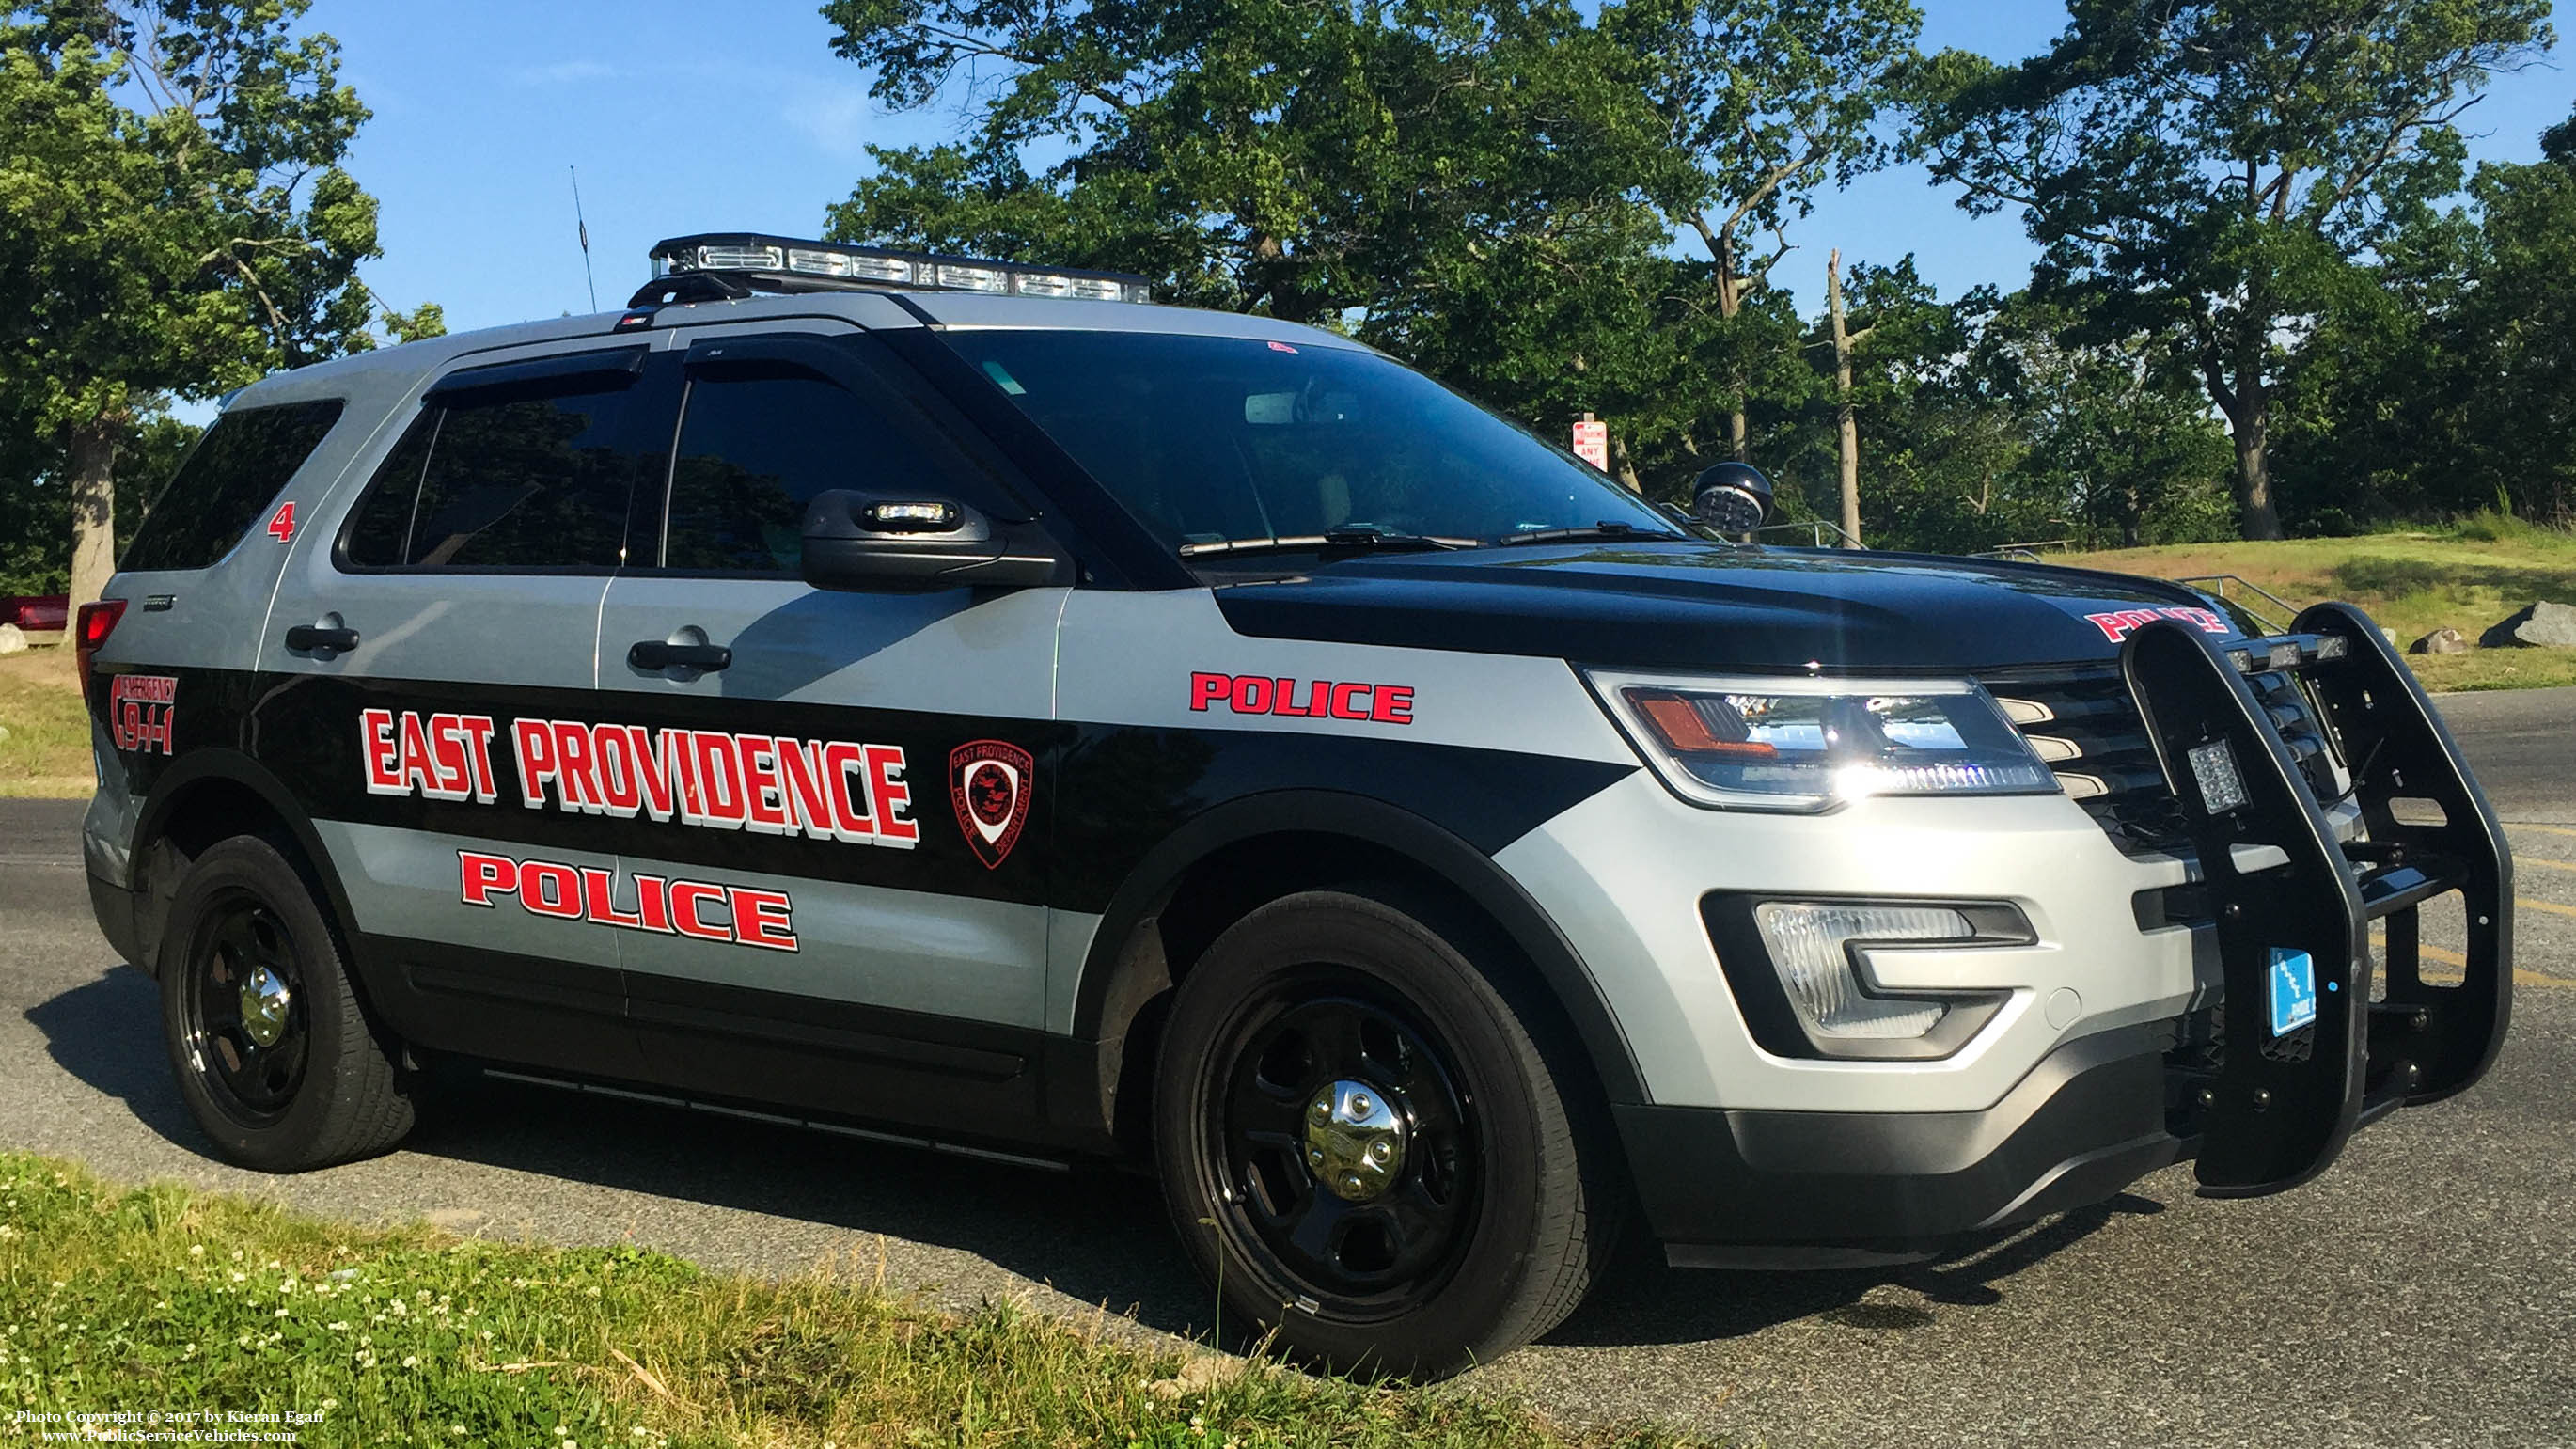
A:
x: 2467, y: 577
x: 200, y: 1307
x: 46, y: 752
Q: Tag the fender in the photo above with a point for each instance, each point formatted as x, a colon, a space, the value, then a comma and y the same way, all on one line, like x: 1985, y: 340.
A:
x: 231, y: 766
x: 1328, y: 812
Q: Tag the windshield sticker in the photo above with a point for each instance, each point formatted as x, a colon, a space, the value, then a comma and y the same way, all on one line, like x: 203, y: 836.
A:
x: 1309, y: 699
x: 989, y: 783
x: 2119, y: 625
x: 766, y: 784
x: 701, y: 910
x: 140, y: 710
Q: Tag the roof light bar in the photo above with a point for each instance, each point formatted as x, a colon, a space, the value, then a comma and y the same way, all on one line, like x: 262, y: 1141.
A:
x: 786, y: 264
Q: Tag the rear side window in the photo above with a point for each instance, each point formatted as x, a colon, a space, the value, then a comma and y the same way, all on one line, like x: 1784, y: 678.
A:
x: 226, y: 483
x: 508, y: 482
x: 756, y: 445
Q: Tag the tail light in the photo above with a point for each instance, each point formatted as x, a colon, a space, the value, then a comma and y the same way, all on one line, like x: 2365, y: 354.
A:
x: 96, y: 622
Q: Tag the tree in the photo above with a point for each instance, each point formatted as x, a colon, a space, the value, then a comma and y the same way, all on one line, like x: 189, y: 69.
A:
x: 173, y: 219
x: 2210, y: 170
x: 1762, y: 102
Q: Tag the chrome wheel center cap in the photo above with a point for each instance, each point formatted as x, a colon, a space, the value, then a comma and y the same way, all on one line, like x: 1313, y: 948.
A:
x: 1354, y: 1141
x: 263, y: 1007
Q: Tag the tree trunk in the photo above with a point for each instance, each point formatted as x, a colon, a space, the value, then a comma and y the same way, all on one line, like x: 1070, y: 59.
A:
x: 93, y: 482
x: 1624, y: 468
x: 1846, y: 426
x: 1730, y: 301
x: 2249, y: 426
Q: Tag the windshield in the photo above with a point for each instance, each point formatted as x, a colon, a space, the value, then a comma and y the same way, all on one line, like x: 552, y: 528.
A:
x: 1211, y: 440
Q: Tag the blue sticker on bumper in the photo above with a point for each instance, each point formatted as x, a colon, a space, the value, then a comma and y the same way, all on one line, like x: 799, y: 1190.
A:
x: 2293, y: 980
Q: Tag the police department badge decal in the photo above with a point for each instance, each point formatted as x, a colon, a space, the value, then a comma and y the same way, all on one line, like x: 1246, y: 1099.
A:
x: 989, y: 782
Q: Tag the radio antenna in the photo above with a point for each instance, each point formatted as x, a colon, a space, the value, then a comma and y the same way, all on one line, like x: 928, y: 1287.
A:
x: 583, y: 228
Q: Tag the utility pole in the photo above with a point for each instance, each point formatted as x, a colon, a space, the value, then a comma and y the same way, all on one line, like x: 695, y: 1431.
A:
x: 1845, y: 425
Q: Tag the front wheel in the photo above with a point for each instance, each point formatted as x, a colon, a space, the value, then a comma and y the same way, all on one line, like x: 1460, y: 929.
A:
x: 1366, y: 1144
x: 274, y: 1052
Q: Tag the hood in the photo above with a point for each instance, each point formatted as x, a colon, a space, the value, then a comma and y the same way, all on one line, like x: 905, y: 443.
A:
x: 1706, y: 606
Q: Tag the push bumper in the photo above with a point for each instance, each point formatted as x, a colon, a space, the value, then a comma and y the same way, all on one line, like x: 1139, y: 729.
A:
x: 1753, y: 1189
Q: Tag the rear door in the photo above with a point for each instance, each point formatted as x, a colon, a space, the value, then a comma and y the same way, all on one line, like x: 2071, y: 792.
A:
x: 423, y: 646
x: 853, y: 794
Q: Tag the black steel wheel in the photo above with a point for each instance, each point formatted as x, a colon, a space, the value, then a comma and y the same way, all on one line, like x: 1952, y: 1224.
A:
x: 1368, y: 1142
x: 243, y: 1008
x: 275, y: 1055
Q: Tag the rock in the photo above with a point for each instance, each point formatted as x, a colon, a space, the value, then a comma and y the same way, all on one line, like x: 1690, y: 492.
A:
x: 2544, y: 624
x: 2445, y: 640
x: 13, y: 640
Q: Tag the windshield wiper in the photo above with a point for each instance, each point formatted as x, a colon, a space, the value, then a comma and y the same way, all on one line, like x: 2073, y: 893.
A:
x: 1594, y: 533
x: 1353, y: 540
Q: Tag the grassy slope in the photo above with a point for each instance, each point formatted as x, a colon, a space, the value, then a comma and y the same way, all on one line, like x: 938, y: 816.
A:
x: 2412, y: 583
x: 47, y: 751
x: 162, y: 1300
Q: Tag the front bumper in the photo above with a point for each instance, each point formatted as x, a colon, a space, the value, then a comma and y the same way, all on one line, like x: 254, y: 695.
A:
x: 1757, y: 1189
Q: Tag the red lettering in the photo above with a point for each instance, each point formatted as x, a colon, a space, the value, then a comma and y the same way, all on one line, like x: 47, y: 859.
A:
x: 376, y: 742
x: 718, y: 779
x: 1207, y: 689
x: 653, y: 902
x: 654, y: 772
x: 1343, y: 694
x: 478, y: 744
x: 1392, y: 704
x: 281, y: 524
x: 579, y: 786
x: 806, y: 788
x: 485, y: 874
x: 1252, y: 695
x: 599, y: 899
x: 564, y: 900
x: 532, y: 742
x: 760, y: 918
x: 615, y: 751
x: 418, y: 772
x: 763, y: 803
x: 688, y: 898
x: 888, y: 795
x: 841, y: 763
x: 447, y: 745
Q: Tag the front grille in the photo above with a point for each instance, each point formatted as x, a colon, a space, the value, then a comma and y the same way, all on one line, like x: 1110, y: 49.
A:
x: 2083, y: 723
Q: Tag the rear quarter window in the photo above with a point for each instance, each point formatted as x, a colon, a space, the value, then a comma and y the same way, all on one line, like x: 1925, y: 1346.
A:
x: 227, y: 483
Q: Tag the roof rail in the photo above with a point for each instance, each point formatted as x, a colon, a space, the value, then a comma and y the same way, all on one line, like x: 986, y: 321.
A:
x: 762, y: 262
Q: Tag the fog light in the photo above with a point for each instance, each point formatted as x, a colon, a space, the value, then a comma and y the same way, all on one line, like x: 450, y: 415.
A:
x: 2222, y: 787
x: 1810, y: 945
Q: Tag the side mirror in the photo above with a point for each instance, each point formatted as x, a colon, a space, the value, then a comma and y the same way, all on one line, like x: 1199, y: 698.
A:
x: 922, y: 540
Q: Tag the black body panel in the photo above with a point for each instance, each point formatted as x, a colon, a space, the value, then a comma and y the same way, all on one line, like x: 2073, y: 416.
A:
x: 1689, y: 606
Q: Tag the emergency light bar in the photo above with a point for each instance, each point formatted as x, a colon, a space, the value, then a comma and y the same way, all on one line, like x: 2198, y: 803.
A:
x: 785, y: 264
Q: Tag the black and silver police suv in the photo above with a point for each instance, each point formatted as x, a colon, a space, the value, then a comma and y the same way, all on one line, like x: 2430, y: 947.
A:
x: 937, y: 698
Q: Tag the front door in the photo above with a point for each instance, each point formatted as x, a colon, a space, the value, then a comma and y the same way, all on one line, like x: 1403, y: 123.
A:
x: 841, y: 798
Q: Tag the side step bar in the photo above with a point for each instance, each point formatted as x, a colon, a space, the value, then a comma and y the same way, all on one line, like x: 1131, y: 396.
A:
x: 2282, y: 1105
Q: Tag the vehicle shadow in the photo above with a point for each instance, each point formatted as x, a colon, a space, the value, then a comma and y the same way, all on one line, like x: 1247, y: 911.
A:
x: 1096, y: 1235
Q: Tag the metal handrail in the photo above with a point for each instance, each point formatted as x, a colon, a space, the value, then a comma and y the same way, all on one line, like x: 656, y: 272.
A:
x: 2288, y: 610
x: 1816, y: 529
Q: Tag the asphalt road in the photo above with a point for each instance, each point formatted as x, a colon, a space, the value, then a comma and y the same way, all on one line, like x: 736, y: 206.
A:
x: 2422, y: 1293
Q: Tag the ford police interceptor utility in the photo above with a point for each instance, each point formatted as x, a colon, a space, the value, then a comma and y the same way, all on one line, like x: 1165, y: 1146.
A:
x: 945, y: 701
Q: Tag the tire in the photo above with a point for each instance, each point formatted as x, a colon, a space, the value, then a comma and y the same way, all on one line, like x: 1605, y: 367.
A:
x: 275, y: 1055
x: 1346, y: 1011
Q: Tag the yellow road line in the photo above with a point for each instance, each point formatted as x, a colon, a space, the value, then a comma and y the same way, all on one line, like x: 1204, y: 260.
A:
x: 2454, y: 958
x: 2545, y: 861
x: 2550, y: 906
x: 2544, y: 829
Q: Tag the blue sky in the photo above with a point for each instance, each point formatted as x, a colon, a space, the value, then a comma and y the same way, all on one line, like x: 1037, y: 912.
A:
x: 737, y: 116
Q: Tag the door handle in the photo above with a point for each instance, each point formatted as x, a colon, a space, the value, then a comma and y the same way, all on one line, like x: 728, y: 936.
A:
x: 651, y: 655
x: 309, y: 637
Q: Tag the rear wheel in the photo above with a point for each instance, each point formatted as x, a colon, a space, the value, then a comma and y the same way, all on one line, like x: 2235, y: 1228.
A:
x: 1363, y: 1140
x: 275, y: 1056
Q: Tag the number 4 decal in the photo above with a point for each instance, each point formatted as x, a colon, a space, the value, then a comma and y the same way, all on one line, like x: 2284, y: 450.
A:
x: 282, y: 527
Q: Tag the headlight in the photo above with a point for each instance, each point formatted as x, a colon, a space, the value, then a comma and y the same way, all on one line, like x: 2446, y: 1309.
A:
x: 1760, y: 743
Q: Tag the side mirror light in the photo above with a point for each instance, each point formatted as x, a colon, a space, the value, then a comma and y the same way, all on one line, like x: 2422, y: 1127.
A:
x: 915, y: 541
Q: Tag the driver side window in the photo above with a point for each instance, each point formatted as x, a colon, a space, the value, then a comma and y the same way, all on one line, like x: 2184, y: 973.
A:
x: 756, y: 444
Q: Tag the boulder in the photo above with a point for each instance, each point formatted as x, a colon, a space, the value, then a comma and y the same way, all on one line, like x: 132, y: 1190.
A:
x: 2445, y: 640
x: 2544, y: 625
x: 13, y: 640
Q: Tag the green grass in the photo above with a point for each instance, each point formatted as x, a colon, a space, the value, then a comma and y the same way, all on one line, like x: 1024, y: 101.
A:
x: 161, y: 1300
x: 47, y: 749
x: 2466, y: 577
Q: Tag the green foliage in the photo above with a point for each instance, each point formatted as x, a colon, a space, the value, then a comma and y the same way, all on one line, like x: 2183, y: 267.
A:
x: 2207, y: 174
x: 163, y: 1301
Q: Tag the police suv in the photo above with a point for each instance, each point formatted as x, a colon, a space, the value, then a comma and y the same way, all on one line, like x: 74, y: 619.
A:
x: 942, y: 701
